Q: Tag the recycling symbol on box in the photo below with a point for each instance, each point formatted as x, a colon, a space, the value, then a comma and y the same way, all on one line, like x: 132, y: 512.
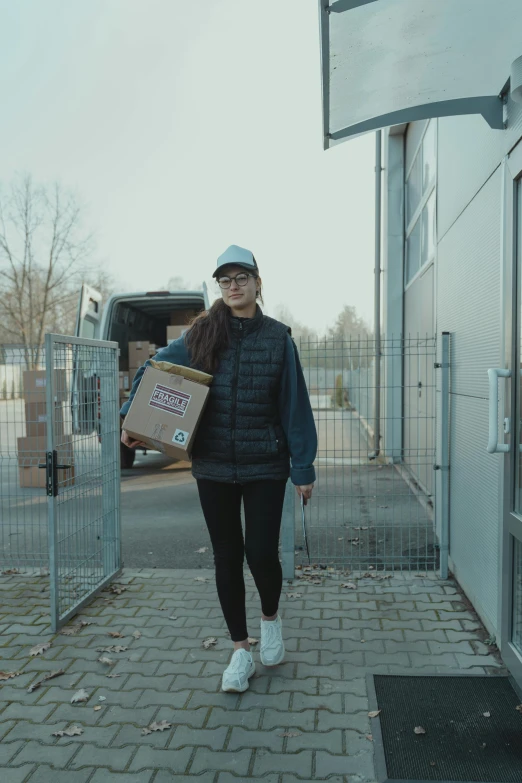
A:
x: 180, y: 437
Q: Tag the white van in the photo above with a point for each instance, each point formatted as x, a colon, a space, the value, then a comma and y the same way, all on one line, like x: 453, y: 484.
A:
x: 125, y: 318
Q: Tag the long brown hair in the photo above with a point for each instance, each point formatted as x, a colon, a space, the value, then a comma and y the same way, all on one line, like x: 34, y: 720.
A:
x: 209, y: 334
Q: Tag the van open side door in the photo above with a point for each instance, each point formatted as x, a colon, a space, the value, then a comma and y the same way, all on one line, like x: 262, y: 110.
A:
x: 88, y: 318
x: 84, y: 382
x: 205, y: 296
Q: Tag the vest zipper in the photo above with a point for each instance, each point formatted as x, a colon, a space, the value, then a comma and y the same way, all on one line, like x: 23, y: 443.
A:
x: 234, y: 409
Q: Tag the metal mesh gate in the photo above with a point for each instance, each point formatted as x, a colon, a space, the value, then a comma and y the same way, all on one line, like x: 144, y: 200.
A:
x: 373, y: 504
x: 83, y: 470
x: 60, y: 466
x: 23, y: 503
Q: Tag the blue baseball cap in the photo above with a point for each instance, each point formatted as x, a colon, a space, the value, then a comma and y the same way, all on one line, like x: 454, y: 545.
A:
x: 238, y: 256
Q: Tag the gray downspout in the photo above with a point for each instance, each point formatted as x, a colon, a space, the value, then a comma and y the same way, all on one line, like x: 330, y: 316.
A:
x: 377, y: 300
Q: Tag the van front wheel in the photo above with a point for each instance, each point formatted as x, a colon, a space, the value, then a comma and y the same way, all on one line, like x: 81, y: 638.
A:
x: 127, y: 456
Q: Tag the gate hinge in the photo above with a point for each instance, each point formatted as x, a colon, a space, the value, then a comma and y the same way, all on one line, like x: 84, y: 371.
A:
x: 441, y: 467
x: 441, y: 365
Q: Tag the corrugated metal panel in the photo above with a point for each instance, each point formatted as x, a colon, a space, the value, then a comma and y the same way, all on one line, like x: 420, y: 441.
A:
x: 474, y: 504
x: 468, y: 153
x: 468, y: 290
x: 468, y: 306
x: 514, y: 129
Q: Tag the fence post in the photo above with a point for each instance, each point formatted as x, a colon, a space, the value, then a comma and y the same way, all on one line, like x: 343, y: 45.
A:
x: 288, y: 532
x: 444, y: 455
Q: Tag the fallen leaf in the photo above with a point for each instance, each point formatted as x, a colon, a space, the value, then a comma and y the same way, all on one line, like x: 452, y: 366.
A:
x: 202, y: 550
x: 137, y: 634
x: 80, y: 696
x: 39, y: 649
x: 210, y: 642
x: 374, y: 713
x: 253, y: 641
x: 339, y: 539
x: 72, y: 731
x: 419, y: 730
x: 106, y: 660
x: 289, y: 734
x: 349, y: 585
x: 369, y: 737
x: 102, y: 698
x: 10, y: 572
x: 115, y: 634
x: 172, y: 617
x: 161, y: 726
x: 113, y: 675
x: 48, y: 676
x: 112, y: 648
x: 72, y: 630
x: 117, y: 589
x: 97, y: 708
x: 487, y: 714
x: 9, y: 675
x: 294, y: 595
x: 200, y: 579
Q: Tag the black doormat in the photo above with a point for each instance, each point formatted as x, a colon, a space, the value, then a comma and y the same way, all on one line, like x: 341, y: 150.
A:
x: 460, y: 743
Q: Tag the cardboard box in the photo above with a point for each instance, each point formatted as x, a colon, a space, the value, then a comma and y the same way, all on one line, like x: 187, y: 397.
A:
x: 165, y: 412
x: 173, y: 332
x: 139, y: 352
x: 35, y: 385
x: 32, y: 450
x: 182, y: 317
x: 35, y: 477
x: 32, y: 454
x: 36, y: 419
x: 125, y: 381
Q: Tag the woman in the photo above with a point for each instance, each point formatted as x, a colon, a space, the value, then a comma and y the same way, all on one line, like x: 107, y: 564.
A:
x: 258, y: 418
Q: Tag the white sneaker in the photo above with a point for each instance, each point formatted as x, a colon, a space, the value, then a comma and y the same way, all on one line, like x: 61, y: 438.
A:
x: 272, y: 649
x: 239, y: 670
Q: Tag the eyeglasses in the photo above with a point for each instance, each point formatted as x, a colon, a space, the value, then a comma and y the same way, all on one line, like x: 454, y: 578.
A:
x: 242, y: 279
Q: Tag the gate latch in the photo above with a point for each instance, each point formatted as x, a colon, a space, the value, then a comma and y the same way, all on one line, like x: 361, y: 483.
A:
x: 52, y: 468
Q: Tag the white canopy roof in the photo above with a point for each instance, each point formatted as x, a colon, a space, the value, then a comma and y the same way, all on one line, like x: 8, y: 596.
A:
x: 385, y: 62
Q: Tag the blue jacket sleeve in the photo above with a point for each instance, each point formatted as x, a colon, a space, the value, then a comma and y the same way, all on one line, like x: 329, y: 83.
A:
x: 175, y: 352
x: 297, y: 418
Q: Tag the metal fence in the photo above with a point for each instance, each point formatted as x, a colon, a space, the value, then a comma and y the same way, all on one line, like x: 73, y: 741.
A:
x: 60, y: 470
x: 373, y: 504
x: 23, y: 504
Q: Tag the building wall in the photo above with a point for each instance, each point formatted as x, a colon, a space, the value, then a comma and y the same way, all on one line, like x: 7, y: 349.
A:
x: 468, y: 306
x: 463, y: 295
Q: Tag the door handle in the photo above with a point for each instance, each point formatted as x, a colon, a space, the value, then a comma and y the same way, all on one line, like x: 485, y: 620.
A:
x: 493, y: 445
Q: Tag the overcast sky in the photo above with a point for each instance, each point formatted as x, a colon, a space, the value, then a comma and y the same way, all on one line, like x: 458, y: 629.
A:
x: 185, y: 127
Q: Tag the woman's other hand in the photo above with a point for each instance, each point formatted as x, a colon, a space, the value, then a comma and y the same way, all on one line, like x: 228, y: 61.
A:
x: 131, y: 444
x: 305, y: 490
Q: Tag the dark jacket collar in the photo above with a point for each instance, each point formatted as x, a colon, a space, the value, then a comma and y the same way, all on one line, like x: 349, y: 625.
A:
x: 248, y: 324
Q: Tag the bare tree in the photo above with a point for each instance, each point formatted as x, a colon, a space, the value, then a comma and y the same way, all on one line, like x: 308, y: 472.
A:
x: 43, y: 250
x: 299, y: 330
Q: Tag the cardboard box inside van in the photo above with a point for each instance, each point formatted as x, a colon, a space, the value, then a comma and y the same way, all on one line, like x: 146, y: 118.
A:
x: 165, y: 412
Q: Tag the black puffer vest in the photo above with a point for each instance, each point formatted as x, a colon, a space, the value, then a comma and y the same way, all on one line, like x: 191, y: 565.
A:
x: 240, y: 437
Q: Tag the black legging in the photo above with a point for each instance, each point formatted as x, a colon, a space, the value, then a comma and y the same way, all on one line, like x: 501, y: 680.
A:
x: 263, y: 505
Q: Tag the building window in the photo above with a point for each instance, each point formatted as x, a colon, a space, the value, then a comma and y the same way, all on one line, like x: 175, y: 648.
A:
x: 420, y: 206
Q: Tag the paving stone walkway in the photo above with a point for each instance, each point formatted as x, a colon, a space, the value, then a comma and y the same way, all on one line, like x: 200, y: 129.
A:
x: 305, y: 720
